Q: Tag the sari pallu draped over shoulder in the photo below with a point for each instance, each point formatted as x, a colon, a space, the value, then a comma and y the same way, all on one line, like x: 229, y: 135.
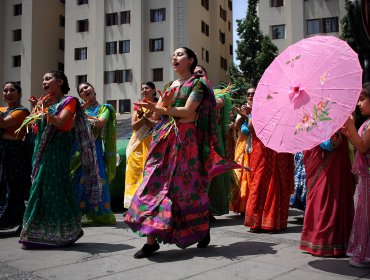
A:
x: 86, y: 145
x: 105, y: 143
x: 171, y: 204
x: 329, y: 208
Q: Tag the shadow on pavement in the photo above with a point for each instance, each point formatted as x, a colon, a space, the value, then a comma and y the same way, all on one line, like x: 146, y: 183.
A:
x: 97, y: 248
x: 8, y: 234
x: 233, y: 251
x: 340, y: 267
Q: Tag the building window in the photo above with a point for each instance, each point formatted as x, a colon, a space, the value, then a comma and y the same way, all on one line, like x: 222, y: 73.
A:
x: 230, y: 5
x: 82, y: 2
x: 17, y: 10
x: 80, y: 53
x: 124, y: 106
x: 81, y: 79
x: 323, y: 25
x: 330, y: 25
x: 229, y: 25
x: 205, y: 55
x: 222, y: 37
x: 17, y: 35
x: 157, y: 74
x: 313, y: 26
x: 277, y: 3
x: 156, y: 45
x: 16, y: 61
x: 61, y: 44
x: 205, y: 28
x: 124, y: 76
x: 111, y: 19
x: 205, y: 4
x: 109, y: 77
x: 124, y: 46
x: 278, y: 31
x: 62, y: 1
x: 125, y: 17
x: 62, y: 20
x: 83, y: 25
x: 231, y: 49
x: 157, y: 15
x: 223, y: 63
x: 222, y: 13
x: 110, y: 48
x: 118, y: 76
x: 61, y: 66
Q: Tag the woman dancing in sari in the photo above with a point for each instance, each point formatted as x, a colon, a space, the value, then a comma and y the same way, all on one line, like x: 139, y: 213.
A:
x: 137, y: 148
x: 171, y: 204
x: 102, y: 119
x: 52, y: 217
x: 15, y: 166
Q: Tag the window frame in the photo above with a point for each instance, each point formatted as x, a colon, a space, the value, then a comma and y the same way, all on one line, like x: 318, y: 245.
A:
x: 125, y: 17
x: 158, y: 15
x: 82, y: 2
x: 16, y: 61
x: 82, y: 25
x: 273, y: 33
x: 81, y: 53
x: 153, y: 46
x: 157, y: 74
x: 276, y: 3
x: 17, y: 35
x: 122, y: 46
x: 111, y: 19
x: 111, y: 48
x: 17, y: 9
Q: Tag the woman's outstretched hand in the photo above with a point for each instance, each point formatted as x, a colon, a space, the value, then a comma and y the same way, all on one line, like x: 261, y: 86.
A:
x: 146, y: 104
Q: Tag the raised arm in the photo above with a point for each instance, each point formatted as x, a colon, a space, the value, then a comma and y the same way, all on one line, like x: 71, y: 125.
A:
x: 361, y: 144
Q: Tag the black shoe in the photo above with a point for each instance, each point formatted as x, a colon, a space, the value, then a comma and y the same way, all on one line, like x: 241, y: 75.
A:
x: 205, y: 241
x: 19, y: 229
x: 212, y: 218
x: 146, y: 251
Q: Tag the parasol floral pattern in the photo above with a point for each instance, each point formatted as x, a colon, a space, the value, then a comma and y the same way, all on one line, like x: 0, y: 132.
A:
x: 308, y: 121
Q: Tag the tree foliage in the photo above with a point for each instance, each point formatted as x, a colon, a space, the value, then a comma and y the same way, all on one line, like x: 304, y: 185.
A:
x: 254, y: 50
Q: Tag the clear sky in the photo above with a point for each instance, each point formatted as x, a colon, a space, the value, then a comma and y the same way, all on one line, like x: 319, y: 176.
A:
x: 239, y: 12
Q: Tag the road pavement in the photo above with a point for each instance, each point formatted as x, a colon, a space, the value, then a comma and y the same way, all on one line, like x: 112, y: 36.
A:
x: 234, y: 253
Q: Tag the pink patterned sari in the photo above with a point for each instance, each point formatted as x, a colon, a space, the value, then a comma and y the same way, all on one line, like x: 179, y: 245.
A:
x: 359, y: 243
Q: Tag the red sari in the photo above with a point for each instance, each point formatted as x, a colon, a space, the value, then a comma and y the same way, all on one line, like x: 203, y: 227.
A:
x: 329, y: 210
x: 272, y: 183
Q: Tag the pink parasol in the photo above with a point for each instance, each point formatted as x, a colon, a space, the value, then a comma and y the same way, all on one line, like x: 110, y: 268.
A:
x: 306, y: 94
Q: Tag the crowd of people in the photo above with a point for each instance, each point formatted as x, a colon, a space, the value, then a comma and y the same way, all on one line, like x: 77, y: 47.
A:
x: 192, y: 156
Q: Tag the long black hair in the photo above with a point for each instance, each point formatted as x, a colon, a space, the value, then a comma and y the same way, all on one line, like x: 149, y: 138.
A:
x: 61, y: 76
x: 191, y: 54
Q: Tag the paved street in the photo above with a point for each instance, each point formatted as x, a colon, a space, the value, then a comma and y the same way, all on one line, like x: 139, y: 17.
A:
x: 234, y: 253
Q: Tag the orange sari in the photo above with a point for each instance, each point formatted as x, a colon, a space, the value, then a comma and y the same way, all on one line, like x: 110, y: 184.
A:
x: 272, y: 184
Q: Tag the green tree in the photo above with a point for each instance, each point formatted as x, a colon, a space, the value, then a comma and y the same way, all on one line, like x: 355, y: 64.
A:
x: 249, y: 45
x: 347, y: 27
x: 268, y: 53
x: 254, y: 50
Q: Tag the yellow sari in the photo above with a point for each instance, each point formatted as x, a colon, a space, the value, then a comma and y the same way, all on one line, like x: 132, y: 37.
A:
x: 136, y: 154
x: 240, y: 195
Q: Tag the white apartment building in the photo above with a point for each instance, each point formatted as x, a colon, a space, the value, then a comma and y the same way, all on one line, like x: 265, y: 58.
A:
x: 31, y: 42
x: 118, y: 44
x: 114, y: 44
x: 288, y: 21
